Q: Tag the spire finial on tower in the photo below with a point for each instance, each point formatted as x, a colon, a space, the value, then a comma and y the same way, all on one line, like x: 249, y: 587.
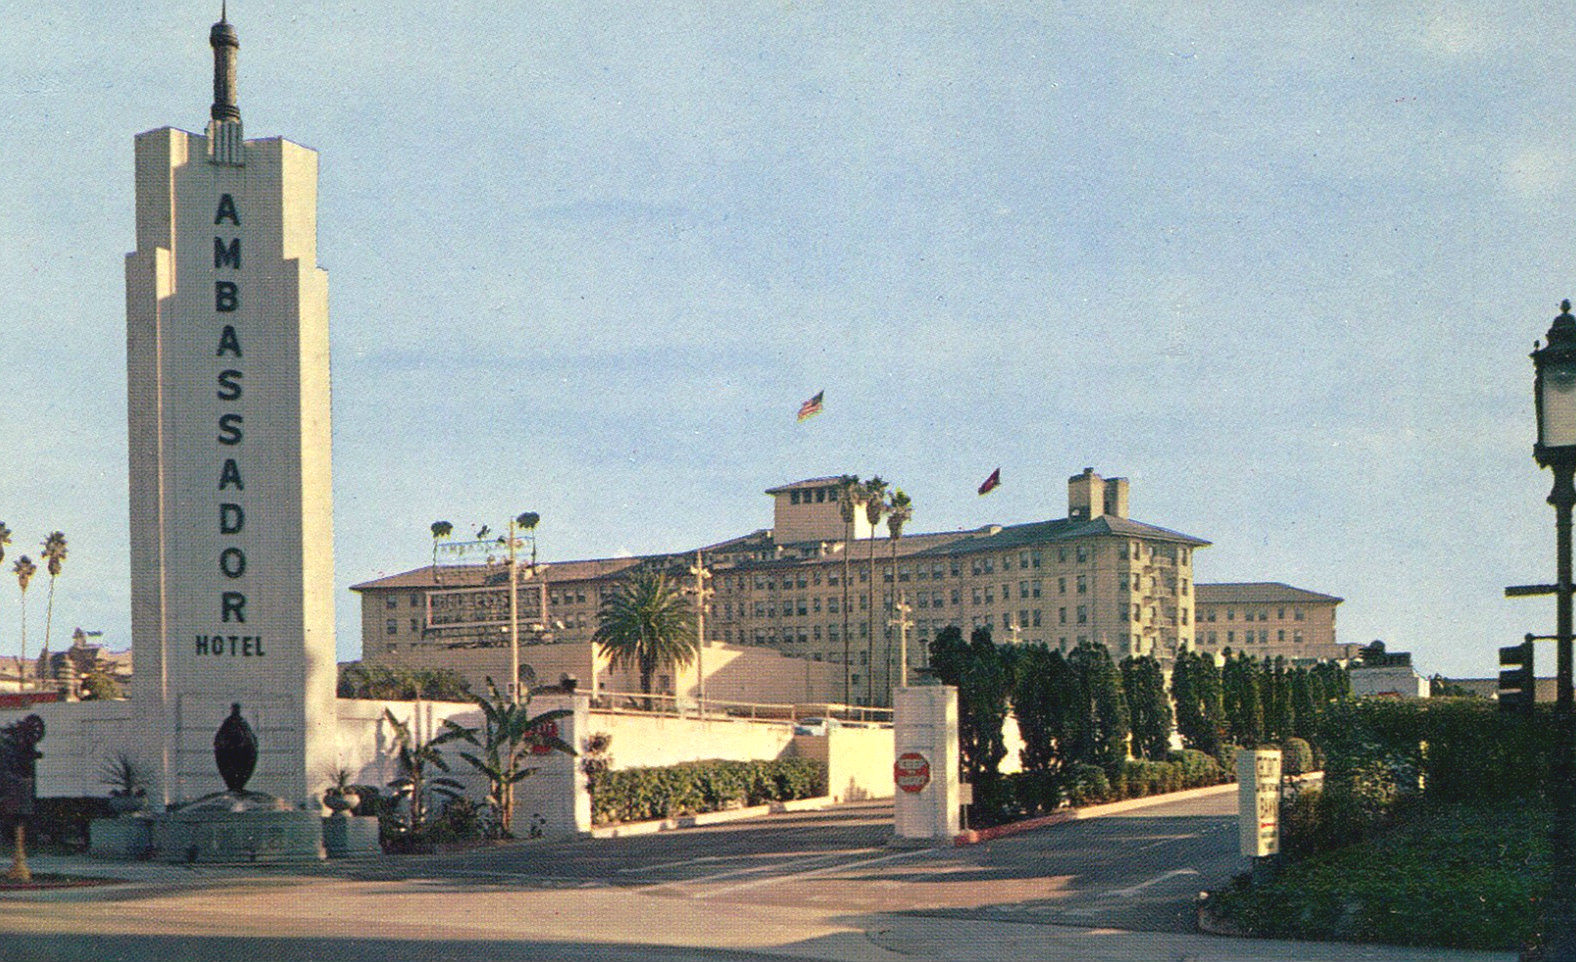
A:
x: 225, y: 43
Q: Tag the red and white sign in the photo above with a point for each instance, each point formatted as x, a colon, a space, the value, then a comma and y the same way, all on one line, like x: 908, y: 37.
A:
x: 911, y: 771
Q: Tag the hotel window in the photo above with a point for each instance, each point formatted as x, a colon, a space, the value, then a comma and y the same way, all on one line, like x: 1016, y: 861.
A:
x: 1023, y: 559
x: 415, y: 625
x: 1281, y: 614
x: 1006, y: 619
x: 976, y: 596
x: 957, y: 569
x: 924, y: 601
x: 1231, y: 636
x: 1061, y: 586
x: 1061, y: 616
x: 1136, y: 613
x: 1296, y: 614
x: 957, y: 597
x: 391, y: 626
x: 415, y: 600
x: 1296, y: 637
x: 1036, y: 617
x: 1083, y: 553
x: 1280, y: 635
x: 389, y: 601
x: 1035, y: 588
x: 1023, y: 618
x: 1083, y: 585
x: 1231, y: 615
x: 1083, y: 614
x: 817, y: 606
x: 989, y: 596
x: 1061, y: 555
x: 1034, y: 558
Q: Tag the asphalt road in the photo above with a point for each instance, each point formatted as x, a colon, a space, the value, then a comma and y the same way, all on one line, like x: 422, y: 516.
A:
x: 811, y: 886
x: 1139, y: 870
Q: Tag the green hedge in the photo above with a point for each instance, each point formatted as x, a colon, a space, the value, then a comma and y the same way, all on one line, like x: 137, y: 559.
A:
x: 1027, y: 794
x: 643, y: 794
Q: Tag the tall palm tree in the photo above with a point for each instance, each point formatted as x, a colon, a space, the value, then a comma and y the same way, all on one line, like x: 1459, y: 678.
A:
x: 647, y: 623
x: 850, y: 495
x: 875, y: 508
x: 54, y: 555
x: 441, y: 530
x: 5, y: 539
x: 24, y: 569
x: 899, y: 509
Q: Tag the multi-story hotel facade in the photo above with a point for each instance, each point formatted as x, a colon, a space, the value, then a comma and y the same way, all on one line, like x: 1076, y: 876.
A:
x: 1267, y: 619
x: 805, y: 588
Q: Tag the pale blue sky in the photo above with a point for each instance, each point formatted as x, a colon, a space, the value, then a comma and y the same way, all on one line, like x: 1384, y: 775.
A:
x: 1280, y: 265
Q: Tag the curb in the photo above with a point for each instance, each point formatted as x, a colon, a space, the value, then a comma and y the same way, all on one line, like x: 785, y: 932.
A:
x: 975, y: 836
x: 709, y: 818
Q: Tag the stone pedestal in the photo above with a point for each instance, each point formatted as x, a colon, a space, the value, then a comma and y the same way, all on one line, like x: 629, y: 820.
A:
x: 349, y: 835
x: 238, y: 827
x: 127, y: 838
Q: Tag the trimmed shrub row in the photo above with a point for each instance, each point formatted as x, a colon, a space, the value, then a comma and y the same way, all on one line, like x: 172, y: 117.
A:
x: 642, y: 794
x: 1027, y: 794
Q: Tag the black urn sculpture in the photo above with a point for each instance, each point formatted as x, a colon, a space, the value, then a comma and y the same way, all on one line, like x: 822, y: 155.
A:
x: 235, y: 750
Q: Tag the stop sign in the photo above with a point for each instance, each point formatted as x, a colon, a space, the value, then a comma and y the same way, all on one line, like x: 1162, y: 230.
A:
x: 911, y: 771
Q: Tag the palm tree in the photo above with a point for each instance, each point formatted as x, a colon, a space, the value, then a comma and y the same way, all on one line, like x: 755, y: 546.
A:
x: 5, y: 539
x: 441, y: 530
x: 899, y: 510
x: 647, y: 623
x: 850, y: 495
x: 54, y: 555
x: 875, y: 507
x: 24, y: 569
x: 412, y: 758
x: 509, y: 737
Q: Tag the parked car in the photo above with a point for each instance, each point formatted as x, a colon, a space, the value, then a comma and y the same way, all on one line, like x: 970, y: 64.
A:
x: 815, y: 726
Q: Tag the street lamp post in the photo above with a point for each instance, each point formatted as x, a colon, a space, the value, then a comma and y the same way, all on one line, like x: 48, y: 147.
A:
x: 702, y: 595
x: 902, y: 623
x: 1555, y: 398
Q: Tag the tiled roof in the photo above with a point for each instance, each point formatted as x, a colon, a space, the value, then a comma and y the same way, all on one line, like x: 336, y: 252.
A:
x: 933, y: 545
x: 1256, y: 593
x: 807, y: 483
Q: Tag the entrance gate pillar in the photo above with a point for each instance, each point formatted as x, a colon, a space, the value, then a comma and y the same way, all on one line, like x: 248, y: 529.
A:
x: 925, y: 766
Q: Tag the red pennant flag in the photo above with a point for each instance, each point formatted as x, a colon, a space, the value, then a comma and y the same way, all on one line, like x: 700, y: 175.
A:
x: 991, y: 483
x: 811, y: 407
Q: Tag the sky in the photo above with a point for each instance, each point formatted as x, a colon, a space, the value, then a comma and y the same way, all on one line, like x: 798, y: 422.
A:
x: 1281, y: 265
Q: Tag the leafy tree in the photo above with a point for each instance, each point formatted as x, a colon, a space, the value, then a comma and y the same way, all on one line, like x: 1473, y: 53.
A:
x: 979, y: 673
x: 1195, y: 687
x: 1305, y: 715
x: 413, y: 759
x: 1241, y: 698
x: 400, y: 683
x: 982, y: 698
x: 647, y: 623
x: 1044, y: 693
x: 100, y: 686
x: 54, y: 555
x: 1101, y: 724
x: 24, y: 569
x: 1149, y: 708
x: 507, y: 738
x: 1279, y: 716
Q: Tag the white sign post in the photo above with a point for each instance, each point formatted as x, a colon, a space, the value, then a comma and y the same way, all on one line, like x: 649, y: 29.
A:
x: 1258, y: 802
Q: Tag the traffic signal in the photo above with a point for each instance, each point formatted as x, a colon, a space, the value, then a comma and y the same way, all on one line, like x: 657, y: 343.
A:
x: 1516, y: 685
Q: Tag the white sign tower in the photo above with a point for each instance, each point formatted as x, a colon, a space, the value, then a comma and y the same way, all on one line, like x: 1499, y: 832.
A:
x: 228, y: 389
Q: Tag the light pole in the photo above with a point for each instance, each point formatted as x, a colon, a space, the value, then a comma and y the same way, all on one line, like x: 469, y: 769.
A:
x: 1555, y: 398
x: 701, y: 593
x: 902, y: 624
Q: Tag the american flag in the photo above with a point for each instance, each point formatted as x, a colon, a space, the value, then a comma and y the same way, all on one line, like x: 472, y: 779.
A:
x: 811, y: 407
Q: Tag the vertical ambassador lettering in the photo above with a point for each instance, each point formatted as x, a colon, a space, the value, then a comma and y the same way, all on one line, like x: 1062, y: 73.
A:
x: 229, y: 387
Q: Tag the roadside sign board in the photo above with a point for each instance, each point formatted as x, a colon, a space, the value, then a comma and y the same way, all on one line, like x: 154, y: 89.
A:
x: 1258, y: 801
x: 911, y: 772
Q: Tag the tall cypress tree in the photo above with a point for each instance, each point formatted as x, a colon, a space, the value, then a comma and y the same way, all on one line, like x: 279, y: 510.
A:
x: 1101, y: 737
x: 1149, y: 710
